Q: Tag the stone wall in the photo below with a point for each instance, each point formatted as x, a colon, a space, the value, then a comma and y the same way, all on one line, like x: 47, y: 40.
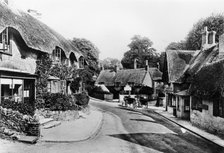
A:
x: 207, y: 121
x: 21, y: 123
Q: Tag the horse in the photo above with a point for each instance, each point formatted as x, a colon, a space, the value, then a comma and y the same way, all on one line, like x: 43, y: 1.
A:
x: 128, y: 101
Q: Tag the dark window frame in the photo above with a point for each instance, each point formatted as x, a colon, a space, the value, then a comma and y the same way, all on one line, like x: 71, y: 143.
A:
x: 5, y: 41
x: 196, y: 104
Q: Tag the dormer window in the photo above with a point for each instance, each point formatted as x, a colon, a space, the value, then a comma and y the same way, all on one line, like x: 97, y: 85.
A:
x: 56, y: 56
x: 81, y: 62
x: 4, y: 42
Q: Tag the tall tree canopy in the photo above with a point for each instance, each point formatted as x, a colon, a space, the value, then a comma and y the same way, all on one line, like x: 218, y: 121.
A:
x: 177, y: 45
x: 194, y: 38
x: 213, y: 22
x: 89, y: 50
x: 142, y: 50
x: 110, y: 63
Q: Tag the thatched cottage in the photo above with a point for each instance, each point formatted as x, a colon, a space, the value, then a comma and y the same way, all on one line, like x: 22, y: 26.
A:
x: 141, y: 80
x: 23, y: 39
x: 177, y: 99
x: 203, y: 75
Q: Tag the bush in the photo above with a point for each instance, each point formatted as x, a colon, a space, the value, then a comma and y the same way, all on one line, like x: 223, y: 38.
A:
x: 82, y: 99
x: 24, y: 108
x: 56, y: 102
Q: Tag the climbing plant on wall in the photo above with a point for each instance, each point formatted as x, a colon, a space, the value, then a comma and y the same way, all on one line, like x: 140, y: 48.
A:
x: 62, y: 71
x: 43, y: 67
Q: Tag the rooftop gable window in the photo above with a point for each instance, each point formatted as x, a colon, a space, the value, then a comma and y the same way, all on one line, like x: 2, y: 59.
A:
x: 81, y: 62
x: 56, y: 55
x: 5, y: 43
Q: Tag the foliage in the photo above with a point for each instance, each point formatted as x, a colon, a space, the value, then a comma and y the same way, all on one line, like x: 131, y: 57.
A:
x: 23, y: 108
x: 90, y: 52
x: 177, y: 45
x: 213, y: 22
x: 163, y: 67
x: 140, y: 48
x: 55, y: 102
x: 82, y: 99
x: 43, y: 63
x: 75, y: 84
x: 62, y: 102
x: 110, y: 63
x: 62, y: 71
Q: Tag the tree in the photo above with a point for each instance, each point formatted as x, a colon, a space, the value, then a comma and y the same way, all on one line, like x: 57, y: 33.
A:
x: 110, y: 63
x: 177, y: 45
x: 142, y: 50
x: 213, y: 22
x: 90, y: 52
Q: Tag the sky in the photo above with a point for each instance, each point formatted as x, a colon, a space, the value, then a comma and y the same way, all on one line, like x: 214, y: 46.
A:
x: 110, y: 24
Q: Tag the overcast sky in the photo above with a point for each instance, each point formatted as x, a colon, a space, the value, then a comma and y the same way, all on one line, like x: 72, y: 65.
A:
x: 110, y: 24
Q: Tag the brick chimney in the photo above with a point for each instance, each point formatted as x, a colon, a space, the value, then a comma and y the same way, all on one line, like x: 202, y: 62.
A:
x: 221, y: 46
x: 135, y: 63
x: 146, y: 65
x: 116, y: 68
x: 208, y: 38
x: 204, y: 37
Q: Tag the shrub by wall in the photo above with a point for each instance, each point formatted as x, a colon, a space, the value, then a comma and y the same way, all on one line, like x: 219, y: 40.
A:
x: 81, y: 99
x: 62, y: 102
x: 19, y: 122
x: 24, y: 108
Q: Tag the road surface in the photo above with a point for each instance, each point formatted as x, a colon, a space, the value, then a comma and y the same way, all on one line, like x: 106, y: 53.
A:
x: 125, y: 131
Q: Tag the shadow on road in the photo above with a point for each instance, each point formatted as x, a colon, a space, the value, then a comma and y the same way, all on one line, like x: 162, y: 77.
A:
x: 142, y: 120
x: 168, y: 143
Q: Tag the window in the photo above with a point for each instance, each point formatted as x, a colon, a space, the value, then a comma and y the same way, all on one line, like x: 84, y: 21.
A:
x: 4, y: 42
x: 12, y: 89
x: 173, y: 101
x: 196, y: 103
x: 81, y: 62
x: 178, y: 103
x: 186, y: 104
x: 169, y: 100
x: 56, y: 57
x: 218, y: 107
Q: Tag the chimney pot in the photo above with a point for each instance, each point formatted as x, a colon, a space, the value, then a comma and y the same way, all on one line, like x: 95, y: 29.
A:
x: 135, y: 63
x: 147, y: 63
x: 204, y: 37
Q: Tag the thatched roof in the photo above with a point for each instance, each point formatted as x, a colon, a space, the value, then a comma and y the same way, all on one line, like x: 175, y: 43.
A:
x: 107, y: 77
x: 204, y: 57
x: 123, y: 77
x: 36, y: 34
x: 135, y: 76
x: 27, y: 65
x: 155, y: 73
x: 177, y: 61
x: 209, y: 80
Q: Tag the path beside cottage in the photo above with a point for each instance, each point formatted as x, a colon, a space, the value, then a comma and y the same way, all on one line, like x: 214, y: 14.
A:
x: 188, y: 126
x: 74, y: 130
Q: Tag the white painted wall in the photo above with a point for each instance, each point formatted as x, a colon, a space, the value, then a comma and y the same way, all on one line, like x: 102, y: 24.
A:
x: 148, y: 80
x: 28, y: 64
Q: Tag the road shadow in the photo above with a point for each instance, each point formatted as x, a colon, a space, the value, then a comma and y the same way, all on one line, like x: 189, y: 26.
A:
x: 136, y: 113
x: 167, y: 143
x: 126, y: 109
x: 143, y: 120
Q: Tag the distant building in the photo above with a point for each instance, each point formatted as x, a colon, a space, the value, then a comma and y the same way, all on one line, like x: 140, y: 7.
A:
x: 137, y: 78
